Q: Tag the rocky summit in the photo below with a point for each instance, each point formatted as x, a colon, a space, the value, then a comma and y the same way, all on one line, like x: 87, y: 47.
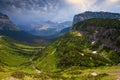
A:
x: 89, y: 15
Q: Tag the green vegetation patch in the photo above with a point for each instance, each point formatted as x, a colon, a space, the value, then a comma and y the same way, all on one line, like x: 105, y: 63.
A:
x: 98, y: 22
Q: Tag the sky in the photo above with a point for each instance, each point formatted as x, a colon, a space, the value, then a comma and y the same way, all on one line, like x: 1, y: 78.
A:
x: 38, y: 11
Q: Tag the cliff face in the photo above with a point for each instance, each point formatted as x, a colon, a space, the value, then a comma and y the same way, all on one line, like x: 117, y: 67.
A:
x: 6, y: 24
x: 107, y: 31
x: 4, y: 18
x: 89, y: 15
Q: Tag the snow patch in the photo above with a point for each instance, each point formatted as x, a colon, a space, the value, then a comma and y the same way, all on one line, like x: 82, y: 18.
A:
x: 93, y: 42
x: 82, y: 54
x: 44, y: 27
x: 79, y: 34
x: 0, y: 36
x: 94, y: 52
x: 38, y: 71
x: 94, y: 74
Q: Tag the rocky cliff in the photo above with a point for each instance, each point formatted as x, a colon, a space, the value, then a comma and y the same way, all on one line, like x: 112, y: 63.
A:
x: 6, y: 24
x: 89, y: 15
x: 107, y: 31
x: 3, y: 18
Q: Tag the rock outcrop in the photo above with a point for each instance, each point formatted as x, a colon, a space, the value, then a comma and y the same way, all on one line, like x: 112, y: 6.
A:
x: 4, y: 18
x: 89, y: 15
x: 107, y: 31
x: 6, y: 24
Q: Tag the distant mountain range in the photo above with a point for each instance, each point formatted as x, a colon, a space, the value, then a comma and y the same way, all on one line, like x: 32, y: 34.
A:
x: 51, y: 30
x: 47, y: 29
x: 8, y: 28
x: 89, y: 15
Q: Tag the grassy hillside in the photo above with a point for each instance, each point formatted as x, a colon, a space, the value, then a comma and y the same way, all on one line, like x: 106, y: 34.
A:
x: 72, y: 50
x: 16, y: 58
x: 73, y: 73
x: 14, y: 54
x: 24, y: 37
x: 75, y: 49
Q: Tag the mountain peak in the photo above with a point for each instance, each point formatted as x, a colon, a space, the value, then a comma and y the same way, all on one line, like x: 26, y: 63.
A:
x: 6, y: 23
x: 4, y: 18
x: 89, y: 14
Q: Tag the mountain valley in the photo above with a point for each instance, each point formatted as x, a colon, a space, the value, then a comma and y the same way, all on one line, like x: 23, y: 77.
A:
x: 89, y: 50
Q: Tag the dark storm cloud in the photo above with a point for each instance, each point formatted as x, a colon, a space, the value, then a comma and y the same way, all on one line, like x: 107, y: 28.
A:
x: 29, y: 9
x: 28, y: 4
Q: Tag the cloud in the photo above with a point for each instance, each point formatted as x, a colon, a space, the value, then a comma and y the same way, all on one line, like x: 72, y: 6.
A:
x: 113, y: 1
x: 36, y: 11
x: 81, y: 5
x: 71, y: 8
x: 108, y: 5
x: 75, y: 1
x: 44, y: 28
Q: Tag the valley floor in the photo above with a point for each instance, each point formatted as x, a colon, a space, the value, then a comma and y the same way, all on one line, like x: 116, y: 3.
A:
x: 73, y: 73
